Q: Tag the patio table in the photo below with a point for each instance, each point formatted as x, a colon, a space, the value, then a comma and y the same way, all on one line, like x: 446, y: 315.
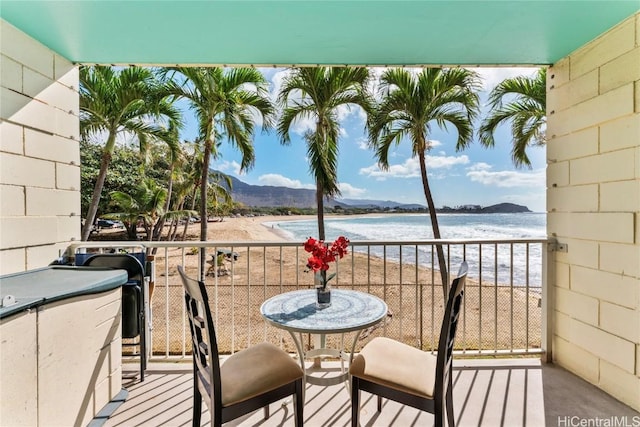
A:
x: 350, y: 311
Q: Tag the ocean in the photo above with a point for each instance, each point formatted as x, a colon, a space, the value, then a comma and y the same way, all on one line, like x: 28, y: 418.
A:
x: 411, y: 227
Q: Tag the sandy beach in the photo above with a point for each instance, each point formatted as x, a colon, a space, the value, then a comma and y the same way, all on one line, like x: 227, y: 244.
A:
x: 492, y: 315
x: 245, y: 228
x: 252, y: 229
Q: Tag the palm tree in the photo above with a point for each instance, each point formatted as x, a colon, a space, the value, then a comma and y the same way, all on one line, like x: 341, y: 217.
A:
x: 188, y: 182
x: 113, y: 102
x: 317, y: 93
x: 220, y: 194
x: 174, y: 157
x: 146, y: 204
x: 411, y: 104
x: 225, y: 102
x: 526, y: 110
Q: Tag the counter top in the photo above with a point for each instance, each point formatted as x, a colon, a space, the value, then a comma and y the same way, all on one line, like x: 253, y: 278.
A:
x: 37, y: 287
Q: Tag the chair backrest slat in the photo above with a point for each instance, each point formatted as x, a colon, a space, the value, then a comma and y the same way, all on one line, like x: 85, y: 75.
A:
x: 448, y: 330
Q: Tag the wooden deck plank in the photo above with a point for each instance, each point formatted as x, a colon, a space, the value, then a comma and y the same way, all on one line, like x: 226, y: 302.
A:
x: 487, y: 392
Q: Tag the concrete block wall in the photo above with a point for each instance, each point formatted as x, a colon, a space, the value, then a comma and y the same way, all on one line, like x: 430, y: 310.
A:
x: 593, y: 199
x: 39, y: 152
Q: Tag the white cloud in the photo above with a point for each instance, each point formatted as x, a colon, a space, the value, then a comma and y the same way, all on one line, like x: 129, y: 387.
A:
x: 276, y: 81
x: 343, y: 111
x: 282, y: 181
x: 437, y: 162
x: 227, y: 166
x: 301, y: 126
x: 411, y: 167
x: 482, y: 173
x: 480, y: 166
x: 491, y: 76
x: 349, y: 190
x: 362, y: 143
x: 374, y: 82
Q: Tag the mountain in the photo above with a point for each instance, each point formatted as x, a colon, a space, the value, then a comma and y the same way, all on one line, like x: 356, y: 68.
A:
x: 499, y: 208
x: 270, y: 196
x: 368, y: 204
x: 505, y: 208
x: 275, y: 196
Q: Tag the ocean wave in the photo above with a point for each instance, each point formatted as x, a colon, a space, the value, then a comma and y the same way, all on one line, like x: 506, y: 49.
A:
x: 483, y: 259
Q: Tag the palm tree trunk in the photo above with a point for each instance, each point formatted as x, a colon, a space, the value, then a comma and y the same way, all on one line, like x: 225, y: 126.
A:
x: 167, y: 208
x: 159, y: 227
x: 149, y: 229
x: 171, y: 232
x: 193, y: 205
x: 156, y: 231
x: 173, y: 226
x: 97, y: 189
x: 132, y: 230
x: 434, y: 223
x: 203, y: 203
x: 320, y: 205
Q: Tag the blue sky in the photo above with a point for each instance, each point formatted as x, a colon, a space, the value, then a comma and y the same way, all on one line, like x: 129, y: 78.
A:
x: 474, y: 176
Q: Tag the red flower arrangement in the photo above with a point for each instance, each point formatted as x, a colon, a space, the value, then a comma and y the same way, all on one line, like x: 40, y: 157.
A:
x: 322, y: 254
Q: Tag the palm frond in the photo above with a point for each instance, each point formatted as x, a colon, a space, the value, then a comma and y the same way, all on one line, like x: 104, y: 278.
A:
x: 522, y: 101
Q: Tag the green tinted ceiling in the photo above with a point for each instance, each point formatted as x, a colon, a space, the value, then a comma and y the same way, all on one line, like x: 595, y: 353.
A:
x: 278, y: 32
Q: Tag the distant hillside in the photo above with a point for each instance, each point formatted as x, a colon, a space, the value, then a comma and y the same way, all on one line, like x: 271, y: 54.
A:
x: 499, y: 208
x: 273, y: 196
x: 366, y: 203
x: 269, y: 196
x: 505, y: 208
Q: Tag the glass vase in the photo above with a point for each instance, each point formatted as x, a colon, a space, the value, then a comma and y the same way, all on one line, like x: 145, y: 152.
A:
x: 323, y: 292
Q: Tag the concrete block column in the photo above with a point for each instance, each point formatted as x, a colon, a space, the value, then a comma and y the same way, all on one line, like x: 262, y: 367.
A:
x: 593, y: 202
x: 39, y: 152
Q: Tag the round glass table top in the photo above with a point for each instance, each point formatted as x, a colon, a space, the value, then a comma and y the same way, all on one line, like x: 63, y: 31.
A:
x: 349, y: 311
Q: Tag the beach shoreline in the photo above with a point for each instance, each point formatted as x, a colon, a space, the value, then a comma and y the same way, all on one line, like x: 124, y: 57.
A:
x: 257, y: 228
x: 242, y: 229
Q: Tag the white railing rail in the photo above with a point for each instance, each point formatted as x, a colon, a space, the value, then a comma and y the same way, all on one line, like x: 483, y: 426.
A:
x: 503, y: 311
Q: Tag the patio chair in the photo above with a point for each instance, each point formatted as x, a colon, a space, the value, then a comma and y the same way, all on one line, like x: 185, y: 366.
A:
x: 133, y: 310
x: 248, y: 380
x: 408, y: 375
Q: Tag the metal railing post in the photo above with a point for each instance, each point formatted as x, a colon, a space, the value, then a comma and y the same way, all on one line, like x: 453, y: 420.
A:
x: 548, y: 285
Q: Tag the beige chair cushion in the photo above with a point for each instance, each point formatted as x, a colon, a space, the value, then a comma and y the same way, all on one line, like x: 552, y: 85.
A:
x: 260, y: 368
x: 396, y: 365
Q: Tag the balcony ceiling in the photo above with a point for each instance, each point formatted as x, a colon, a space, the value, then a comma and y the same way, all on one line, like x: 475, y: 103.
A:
x: 278, y: 32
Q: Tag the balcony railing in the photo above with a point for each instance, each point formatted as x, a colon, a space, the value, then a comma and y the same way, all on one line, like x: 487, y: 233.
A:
x: 503, y: 310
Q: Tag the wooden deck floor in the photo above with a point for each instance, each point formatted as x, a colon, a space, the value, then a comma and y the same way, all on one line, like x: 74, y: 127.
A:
x: 513, y: 392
